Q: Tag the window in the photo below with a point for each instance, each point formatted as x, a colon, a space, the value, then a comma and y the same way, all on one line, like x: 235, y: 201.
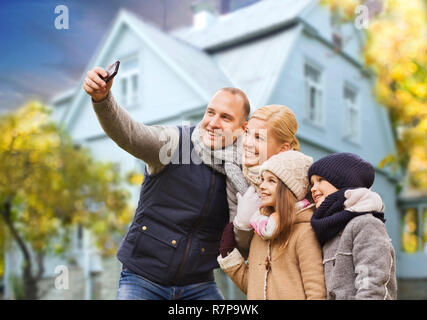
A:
x: 409, y: 232
x: 414, y: 229
x: 352, y: 114
x: 124, y: 93
x: 313, y: 94
x: 425, y: 229
x: 134, y: 88
x: 129, y: 84
x: 79, y: 236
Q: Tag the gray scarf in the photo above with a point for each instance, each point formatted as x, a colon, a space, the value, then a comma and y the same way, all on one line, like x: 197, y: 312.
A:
x: 226, y: 161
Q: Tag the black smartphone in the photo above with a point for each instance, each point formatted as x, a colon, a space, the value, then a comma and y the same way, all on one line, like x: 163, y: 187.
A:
x: 112, y: 71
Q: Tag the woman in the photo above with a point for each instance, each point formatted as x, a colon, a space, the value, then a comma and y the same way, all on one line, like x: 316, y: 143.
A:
x: 270, y: 130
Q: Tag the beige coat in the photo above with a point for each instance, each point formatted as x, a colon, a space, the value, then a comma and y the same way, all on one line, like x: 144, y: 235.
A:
x: 296, y: 274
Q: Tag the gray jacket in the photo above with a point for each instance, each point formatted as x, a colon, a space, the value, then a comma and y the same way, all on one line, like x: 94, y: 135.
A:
x: 359, y: 263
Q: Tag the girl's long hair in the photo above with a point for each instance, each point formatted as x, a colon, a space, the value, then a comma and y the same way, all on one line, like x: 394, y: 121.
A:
x: 286, y: 210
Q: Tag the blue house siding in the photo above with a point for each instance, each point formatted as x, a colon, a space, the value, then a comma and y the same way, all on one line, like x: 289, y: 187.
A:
x: 375, y: 142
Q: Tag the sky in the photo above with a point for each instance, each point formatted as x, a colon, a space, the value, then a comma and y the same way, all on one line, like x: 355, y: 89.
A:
x: 37, y: 60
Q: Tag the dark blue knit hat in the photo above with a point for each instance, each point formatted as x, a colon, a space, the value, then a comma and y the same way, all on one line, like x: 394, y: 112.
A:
x: 344, y: 170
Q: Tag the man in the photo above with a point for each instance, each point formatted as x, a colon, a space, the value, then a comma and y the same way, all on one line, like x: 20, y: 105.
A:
x: 172, y: 244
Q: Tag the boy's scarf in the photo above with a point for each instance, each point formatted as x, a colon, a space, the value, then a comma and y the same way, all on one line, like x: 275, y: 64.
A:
x: 330, y: 218
x: 226, y: 161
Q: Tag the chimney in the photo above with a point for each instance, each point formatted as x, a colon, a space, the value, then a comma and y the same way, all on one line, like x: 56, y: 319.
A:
x: 225, y: 6
x: 204, y: 13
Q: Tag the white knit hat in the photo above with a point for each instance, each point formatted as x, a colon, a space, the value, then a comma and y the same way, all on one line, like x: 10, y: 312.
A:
x: 291, y: 167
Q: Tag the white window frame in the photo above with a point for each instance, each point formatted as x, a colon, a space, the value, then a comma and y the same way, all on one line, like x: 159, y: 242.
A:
x: 314, y: 115
x: 352, y: 114
x: 133, y: 97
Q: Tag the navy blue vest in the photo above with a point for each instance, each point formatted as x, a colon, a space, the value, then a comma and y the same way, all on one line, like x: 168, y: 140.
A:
x: 176, y: 231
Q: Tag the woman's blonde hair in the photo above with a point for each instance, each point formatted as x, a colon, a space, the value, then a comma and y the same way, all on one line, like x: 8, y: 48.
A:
x: 282, y: 121
x: 285, y: 207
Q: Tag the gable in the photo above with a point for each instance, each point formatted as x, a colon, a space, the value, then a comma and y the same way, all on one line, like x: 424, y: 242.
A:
x: 161, y: 91
x: 180, y: 74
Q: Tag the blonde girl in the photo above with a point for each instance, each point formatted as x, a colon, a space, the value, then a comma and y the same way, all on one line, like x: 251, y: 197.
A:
x: 285, y: 259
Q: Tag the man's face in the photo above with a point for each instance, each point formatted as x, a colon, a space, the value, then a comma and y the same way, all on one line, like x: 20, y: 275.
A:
x: 223, y: 120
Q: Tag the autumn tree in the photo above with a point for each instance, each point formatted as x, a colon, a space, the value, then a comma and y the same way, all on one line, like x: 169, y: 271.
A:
x: 49, y: 184
x: 396, y: 51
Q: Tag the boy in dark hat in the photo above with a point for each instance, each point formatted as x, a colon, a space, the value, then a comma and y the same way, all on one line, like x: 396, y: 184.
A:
x: 358, y: 257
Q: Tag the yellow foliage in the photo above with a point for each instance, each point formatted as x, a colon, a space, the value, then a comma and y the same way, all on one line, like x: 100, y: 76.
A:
x: 52, y: 185
x: 396, y: 50
x: 134, y: 178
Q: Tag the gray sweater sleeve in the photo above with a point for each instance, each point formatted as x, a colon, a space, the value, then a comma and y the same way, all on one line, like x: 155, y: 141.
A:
x: 373, y: 258
x: 152, y: 144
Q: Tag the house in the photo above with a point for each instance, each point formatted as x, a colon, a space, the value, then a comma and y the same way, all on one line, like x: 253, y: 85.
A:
x: 278, y: 52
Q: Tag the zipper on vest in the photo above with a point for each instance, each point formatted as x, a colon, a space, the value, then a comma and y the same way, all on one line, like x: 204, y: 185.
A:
x: 196, y: 224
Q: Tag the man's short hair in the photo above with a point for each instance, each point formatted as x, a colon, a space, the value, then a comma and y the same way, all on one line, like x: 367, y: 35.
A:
x: 242, y: 95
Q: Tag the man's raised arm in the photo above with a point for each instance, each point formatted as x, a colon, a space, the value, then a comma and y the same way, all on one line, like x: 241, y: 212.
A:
x: 143, y: 142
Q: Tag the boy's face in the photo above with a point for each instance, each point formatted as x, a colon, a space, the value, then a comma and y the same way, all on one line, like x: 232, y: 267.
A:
x: 320, y: 189
x: 268, y: 189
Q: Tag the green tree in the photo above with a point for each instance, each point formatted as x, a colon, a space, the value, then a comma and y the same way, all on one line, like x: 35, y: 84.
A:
x: 396, y: 51
x: 47, y: 185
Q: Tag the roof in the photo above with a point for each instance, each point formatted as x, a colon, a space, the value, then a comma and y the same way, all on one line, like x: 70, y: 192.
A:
x: 264, y: 16
x: 255, y: 66
x: 193, y: 65
x: 193, y: 62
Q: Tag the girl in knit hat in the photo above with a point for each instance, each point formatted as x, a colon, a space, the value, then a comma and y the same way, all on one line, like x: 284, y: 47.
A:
x: 271, y: 129
x: 285, y: 259
x: 348, y: 221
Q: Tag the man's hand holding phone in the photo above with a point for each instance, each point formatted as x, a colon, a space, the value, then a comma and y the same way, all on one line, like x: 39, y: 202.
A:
x: 94, y: 83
